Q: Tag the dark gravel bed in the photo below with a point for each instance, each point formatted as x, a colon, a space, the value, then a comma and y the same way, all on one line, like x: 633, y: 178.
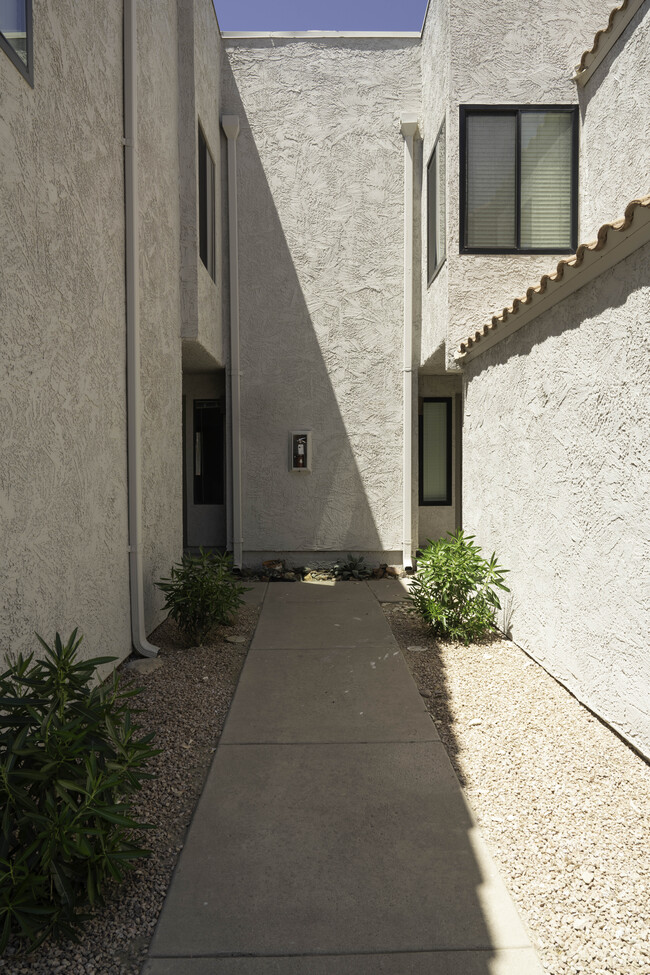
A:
x: 185, y: 702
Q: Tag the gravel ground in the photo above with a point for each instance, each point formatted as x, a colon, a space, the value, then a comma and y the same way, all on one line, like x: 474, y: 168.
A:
x: 185, y: 702
x: 563, y: 804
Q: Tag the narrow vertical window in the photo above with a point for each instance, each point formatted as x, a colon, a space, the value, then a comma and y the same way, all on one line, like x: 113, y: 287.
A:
x: 206, y: 206
x: 16, y: 35
x: 435, y: 451
x: 208, y: 452
x: 436, y: 205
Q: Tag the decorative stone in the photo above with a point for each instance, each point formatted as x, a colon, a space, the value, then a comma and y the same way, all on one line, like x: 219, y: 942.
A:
x: 144, y: 665
x: 424, y: 692
x: 416, y: 649
x: 235, y: 639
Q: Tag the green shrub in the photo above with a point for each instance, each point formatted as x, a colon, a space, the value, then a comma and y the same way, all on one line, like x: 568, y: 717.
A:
x: 354, y: 568
x: 454, y: 588
x: 201, y: 593
x: 69, y: 757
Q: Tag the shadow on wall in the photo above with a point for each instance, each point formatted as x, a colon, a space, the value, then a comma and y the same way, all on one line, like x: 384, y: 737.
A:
x: 320, y: 366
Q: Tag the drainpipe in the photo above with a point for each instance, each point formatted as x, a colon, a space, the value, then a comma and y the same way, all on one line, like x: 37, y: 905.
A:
x: 133, y: 399
x: 230, y: 125
x: 409, y: 129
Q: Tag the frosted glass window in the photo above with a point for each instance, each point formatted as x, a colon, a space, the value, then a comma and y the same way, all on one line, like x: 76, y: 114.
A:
x: 435, y: 452
x: 519, y: 179
x: 546, y: 183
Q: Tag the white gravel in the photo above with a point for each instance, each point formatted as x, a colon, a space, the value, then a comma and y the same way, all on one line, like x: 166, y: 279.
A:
x: 563, y: 803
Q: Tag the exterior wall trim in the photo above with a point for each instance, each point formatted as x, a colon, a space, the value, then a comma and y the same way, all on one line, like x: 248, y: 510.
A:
x: 605, y: 40
x: 615, y: 242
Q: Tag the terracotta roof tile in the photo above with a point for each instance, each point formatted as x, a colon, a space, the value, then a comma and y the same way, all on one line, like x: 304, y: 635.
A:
x: 618, y: 20
x: 565, y: 266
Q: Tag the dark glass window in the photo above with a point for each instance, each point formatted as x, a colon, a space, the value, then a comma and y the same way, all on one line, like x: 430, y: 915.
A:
x: 436, y: 203
x: 519, y: 179
x: 206, y: 206
x: 16, y: 35
x: 435, y: 451
x: 209, y: 452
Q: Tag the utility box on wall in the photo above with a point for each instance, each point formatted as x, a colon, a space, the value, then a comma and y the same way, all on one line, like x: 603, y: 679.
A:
x: 300, y: 451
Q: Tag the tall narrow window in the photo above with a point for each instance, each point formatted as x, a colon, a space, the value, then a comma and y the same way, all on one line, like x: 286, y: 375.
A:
x: 519, y: 179
x: 206, y: 206
x: 436, y: 204
x: 435, y: 451
x: 208, y: 452
x: 16, y: 35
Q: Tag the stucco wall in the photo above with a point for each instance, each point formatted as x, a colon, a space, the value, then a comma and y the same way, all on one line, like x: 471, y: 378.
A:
x: 63, y: 518
x: 505, y: 53
x: 199, y: 79
x: 615, y: 148
x: 321, y: 170
x: 160, y: 330
x: 435, y: 55
x: 556, y: 481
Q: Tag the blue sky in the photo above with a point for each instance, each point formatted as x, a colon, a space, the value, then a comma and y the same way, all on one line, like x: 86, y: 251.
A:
x: 365, y: 15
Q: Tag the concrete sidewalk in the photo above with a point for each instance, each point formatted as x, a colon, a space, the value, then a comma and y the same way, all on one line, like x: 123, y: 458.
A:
x: 332, y: 836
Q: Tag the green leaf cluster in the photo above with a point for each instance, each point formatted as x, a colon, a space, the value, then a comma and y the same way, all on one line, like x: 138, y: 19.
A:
x: 70, y: 756
x: 454, y: 589
x: 201, y: 593
x: 354, y: 568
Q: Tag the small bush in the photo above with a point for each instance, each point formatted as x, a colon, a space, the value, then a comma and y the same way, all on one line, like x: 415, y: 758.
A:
x: 201, y: 593
x: 354, y: 568
x: 454, y: 588
x: 69, y: 757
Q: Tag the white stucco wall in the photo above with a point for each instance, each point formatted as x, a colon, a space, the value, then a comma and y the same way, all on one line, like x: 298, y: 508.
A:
x: 505, y: 53
x: 200, y: 52
x: 556, y: 481
x: 158, y: 154
x: 615, y: 147
x: 435, y: 55
x: 62, y: 368
x: 321, y: 170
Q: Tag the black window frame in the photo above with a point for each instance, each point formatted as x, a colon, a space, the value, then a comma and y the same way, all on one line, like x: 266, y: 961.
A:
x: 26, y: 70
x: 206, y: 204
x: 447, y: 501
x: 518, y: 110
x: 432, y: 202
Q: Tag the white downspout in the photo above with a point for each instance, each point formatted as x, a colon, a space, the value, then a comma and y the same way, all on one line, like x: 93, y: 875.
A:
x: 230, y: 125
x: 134, y: 409
x: 409, y: 128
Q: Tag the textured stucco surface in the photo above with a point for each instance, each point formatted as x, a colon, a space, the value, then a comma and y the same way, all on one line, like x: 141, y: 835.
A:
x: 160, y: 336
x: 63, y: 518
x: 556, y: 481
x: 615, y: 148
x: 505, y: 53
x: 321, y: 170
x: 200, y: 52
x: 435, y: 55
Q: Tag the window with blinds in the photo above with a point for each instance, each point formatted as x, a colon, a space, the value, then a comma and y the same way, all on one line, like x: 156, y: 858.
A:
x: 435, y: 451
x: 519, y: 179
x: 436, y: 207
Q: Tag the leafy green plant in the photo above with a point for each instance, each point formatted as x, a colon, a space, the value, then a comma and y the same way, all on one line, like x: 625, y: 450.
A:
x: 201, y: 593
x: 354, y: 568
x: 69, y: 758
x: 454, y: 589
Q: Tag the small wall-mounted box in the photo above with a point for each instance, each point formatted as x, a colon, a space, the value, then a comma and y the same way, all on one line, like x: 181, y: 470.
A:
x: 300, y: 451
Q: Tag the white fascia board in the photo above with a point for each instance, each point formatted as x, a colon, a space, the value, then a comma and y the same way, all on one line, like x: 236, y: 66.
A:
x: 593, y: 265
x: 232, y: 35
x: 605, y: 41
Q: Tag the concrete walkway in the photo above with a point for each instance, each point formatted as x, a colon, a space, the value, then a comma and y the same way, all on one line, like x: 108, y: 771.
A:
x: 332, y: 836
